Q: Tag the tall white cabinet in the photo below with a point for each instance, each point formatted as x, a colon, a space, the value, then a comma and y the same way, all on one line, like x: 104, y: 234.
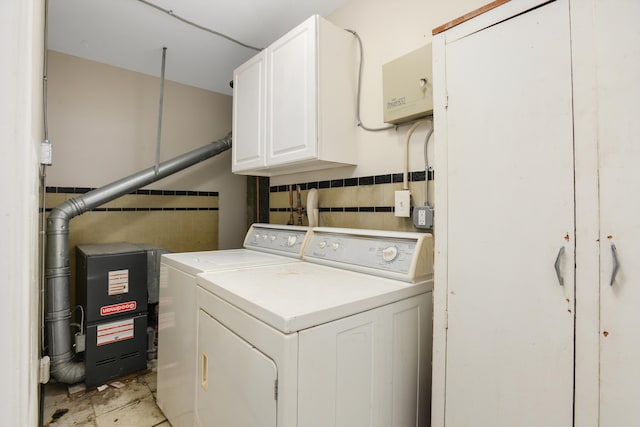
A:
x: 535, y: 107
x: 294, y: 104
x: 618, y: 128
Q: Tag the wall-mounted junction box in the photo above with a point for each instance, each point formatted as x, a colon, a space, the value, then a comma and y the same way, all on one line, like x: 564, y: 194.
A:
x: 407, y: 87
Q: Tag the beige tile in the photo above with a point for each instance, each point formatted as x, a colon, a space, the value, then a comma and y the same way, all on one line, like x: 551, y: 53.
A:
x: 138, y: 413
x: 328, y: 219
x: 369, y: 195
x: 392, y: 222
x: 150, y: 380
x: 126, y: 201
x: 372, y: 220
x: 54, y: 199
x: 204, y: 234
x: 54, y: 394
x: 112, y: 399
x: 79, y: 409
x: 280, y: 200
x: 278, y: 217
x: 84, y: 417
x: 338, y: 197
x: 343, y: 219
x: 200, y: 201
x: 388, y: 193
x: 417, y: 193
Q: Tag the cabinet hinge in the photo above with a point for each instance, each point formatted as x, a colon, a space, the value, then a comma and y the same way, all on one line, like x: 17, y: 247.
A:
x: 446, y: 320
x: 446, y: 102
x: 275, y: 389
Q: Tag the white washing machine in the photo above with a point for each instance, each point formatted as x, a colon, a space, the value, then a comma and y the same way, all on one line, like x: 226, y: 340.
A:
x: 264, y: 245
x: 342, y: 339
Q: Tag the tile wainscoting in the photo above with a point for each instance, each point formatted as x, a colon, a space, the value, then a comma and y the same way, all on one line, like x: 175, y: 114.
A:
x: 179, y: 221
x: 359, y: 202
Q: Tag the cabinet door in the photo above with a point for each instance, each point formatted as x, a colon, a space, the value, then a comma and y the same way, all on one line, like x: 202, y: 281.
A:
x: 291, y: 120
x: 236, y: 383
x: 510, y: 215
x: 249, y: 114
x: 618, y: 65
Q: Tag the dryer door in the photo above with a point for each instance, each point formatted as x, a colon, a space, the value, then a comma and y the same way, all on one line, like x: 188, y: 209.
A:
x: 236, y: 384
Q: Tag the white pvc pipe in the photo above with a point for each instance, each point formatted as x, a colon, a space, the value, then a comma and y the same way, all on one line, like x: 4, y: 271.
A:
x: 405, y: 181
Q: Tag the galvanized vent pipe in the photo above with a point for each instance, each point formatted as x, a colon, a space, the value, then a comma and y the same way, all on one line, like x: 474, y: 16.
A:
x: 63, y: 369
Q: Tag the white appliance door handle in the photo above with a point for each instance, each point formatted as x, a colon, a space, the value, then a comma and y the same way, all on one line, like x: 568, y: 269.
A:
x: 204, y: 381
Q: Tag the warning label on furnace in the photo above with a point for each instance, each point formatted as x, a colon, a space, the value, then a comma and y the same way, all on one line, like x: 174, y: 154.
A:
x: 118, y: 282
x: 115, y: 331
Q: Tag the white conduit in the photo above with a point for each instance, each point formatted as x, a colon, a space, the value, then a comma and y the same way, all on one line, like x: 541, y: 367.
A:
x: 405, y: 181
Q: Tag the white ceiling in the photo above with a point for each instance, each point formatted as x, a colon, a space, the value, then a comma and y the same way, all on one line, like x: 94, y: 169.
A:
x: 130, y: 34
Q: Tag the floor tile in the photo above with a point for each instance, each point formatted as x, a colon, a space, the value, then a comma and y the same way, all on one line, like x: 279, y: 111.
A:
x: 62, y: 411
x: 150, y: 380
x: 133, y: 405
x: 113, y: 398
x: 139, y: 413
x: 84, y: 418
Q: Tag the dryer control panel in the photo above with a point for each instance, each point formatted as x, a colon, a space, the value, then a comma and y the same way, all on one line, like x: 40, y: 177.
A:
x: 278, y: 239
x: 398, y: 255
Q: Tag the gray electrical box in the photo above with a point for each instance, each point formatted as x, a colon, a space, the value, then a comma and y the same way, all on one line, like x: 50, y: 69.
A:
x: 407, y: 86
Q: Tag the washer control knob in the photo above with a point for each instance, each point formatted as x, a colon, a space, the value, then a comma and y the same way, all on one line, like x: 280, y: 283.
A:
x: 390, y: 253
x: 272, y: 237
x: 256, y: 236
x: 335, y: 246
x: 322, y: 244
x: 291, y: 240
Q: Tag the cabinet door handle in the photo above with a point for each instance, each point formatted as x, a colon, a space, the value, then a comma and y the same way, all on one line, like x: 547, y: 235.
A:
x: 556, y: 265
x: 616, y: 264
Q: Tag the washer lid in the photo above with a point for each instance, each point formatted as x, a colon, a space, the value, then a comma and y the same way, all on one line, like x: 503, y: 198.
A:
x: 296, y: 296
x: 198, y: 262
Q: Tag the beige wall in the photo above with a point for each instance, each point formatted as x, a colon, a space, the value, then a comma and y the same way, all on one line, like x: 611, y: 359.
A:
x: 388, y: 29
x: 103, y: 125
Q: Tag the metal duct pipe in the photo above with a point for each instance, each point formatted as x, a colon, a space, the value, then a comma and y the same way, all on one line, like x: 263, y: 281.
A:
x: 63, y: 369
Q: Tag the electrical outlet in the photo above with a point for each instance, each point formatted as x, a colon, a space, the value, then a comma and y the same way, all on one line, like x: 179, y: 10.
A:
x: 423, y: 217
x: 403, y: 203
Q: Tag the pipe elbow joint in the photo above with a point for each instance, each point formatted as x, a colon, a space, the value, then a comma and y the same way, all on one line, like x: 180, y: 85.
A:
x: 68, y: 372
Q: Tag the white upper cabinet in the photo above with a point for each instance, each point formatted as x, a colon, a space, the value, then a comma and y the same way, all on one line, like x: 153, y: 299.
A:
x: 294, y: 105
x: 249, y: 103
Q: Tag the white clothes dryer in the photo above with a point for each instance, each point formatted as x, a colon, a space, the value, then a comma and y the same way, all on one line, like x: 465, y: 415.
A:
x: 341, y: 339
x: 264, y: 245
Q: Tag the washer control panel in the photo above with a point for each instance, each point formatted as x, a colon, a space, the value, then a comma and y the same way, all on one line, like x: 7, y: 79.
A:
x: 276, y: 239
x: 391, y: 254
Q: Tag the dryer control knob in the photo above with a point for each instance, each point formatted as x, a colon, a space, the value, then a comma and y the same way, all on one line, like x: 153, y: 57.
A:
x: 390, y: 253
x: 322, y: 245
x: 292, y: 240
x: 335, y: 246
